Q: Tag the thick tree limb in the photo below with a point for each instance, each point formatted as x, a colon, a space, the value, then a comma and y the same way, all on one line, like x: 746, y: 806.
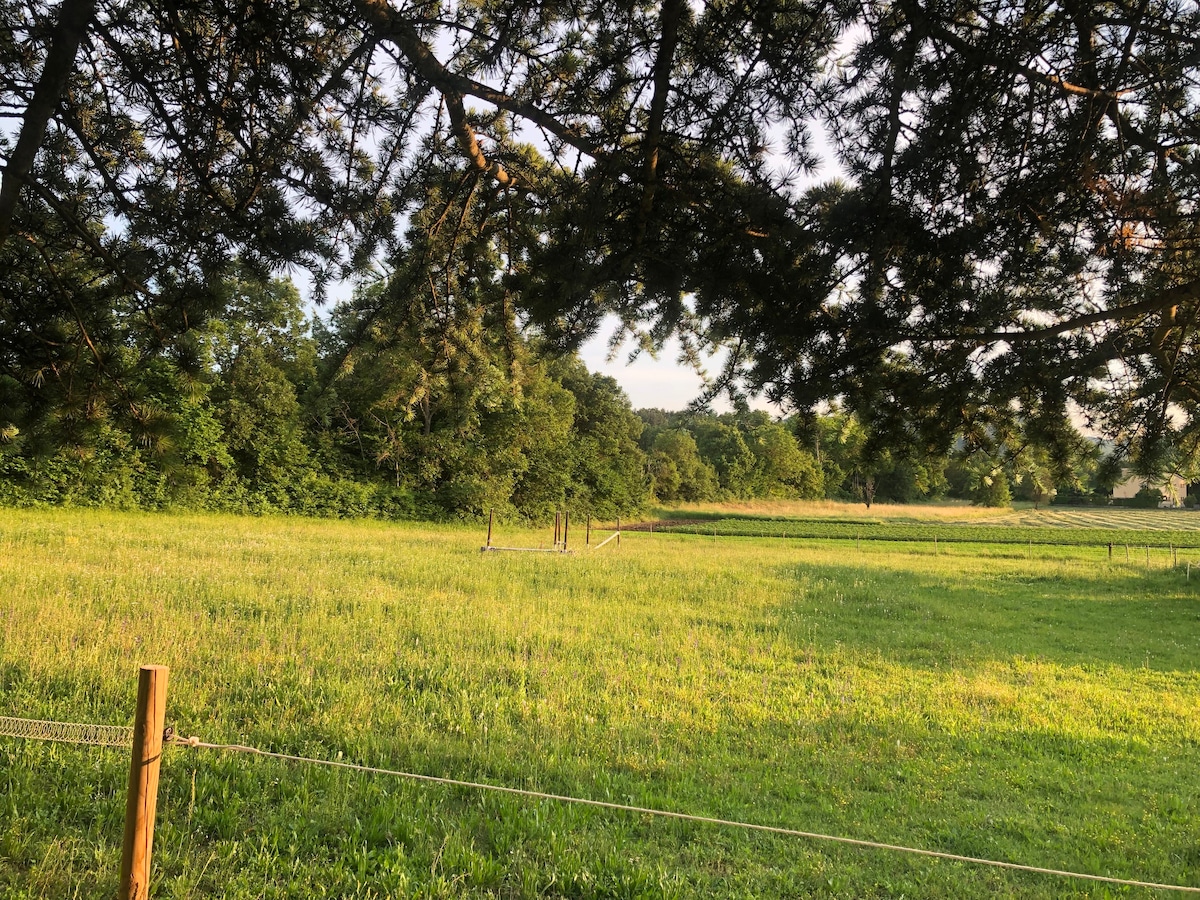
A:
x: 465, y: 135
x: 1047, y: 79
x: 389, y: 24
x: 672, y: 12
x: 1166, y: 300
x: 73, y: 19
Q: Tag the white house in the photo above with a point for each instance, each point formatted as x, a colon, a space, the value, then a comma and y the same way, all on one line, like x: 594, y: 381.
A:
x: 1174, y: 488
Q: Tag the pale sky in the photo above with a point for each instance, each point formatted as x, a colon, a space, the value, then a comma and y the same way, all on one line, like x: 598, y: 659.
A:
x: 662, y: 383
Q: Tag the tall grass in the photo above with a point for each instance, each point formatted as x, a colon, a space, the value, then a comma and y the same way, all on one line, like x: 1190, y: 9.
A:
x: 1044, y: 711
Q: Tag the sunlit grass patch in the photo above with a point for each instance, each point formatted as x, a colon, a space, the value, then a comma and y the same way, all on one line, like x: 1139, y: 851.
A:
x: 1044, y: 710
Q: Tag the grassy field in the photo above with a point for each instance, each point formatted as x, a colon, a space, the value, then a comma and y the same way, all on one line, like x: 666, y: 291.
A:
x: 1044, y: 711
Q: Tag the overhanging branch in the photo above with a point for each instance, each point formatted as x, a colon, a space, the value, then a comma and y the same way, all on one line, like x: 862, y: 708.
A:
x: 391, y: 25
x: 73, y: 19
x: 1171, y: 297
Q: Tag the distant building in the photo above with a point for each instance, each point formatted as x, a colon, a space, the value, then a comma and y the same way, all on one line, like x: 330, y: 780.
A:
x: 1175, y: 489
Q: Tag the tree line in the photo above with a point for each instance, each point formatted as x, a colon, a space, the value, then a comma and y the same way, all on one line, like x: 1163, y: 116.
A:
x: 746, y: 454
x: 276, y: 412
x: 441, y: 407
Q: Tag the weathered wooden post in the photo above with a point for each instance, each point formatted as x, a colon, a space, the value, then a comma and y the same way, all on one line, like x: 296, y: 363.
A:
x: 618, y: 531
x: 1110, y: 551
x: 491, y: 513
x: 142, y: 800
x: 587, y: 538
x: 566, y: 528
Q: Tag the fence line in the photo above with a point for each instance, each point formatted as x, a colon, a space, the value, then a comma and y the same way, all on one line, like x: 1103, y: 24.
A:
x: 115, y: 735
x: 70, y: 732
x: 668, y: 814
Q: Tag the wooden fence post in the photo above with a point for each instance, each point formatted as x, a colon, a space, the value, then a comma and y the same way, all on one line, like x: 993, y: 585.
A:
x: 566, y: 528
x: 142, y: 801
x: 491, y: 513
x: 618, y: 531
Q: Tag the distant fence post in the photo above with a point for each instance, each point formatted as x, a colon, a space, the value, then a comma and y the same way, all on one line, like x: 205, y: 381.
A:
x: 566, y: 529
x: 141, y: 804
x: 618, y: 531
x: 587, y: 538
x: 491, y: 514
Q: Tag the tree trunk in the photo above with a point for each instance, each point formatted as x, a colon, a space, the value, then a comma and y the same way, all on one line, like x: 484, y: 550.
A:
x: 73, y: 19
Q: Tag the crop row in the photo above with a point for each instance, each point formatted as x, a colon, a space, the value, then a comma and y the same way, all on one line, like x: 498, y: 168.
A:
x: 974, y: 534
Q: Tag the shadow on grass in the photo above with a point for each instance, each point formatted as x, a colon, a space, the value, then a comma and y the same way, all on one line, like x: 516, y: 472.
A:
x: 928, y: 619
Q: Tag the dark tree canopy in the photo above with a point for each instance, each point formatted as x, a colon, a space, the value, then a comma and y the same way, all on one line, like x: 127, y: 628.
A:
x: 1014, y: 227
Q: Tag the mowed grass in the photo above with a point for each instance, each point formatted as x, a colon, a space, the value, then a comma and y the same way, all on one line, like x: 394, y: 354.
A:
x: 1122, y: 528
x: 1044, y: 711
x: 950, y: 512
x: 947, y: 511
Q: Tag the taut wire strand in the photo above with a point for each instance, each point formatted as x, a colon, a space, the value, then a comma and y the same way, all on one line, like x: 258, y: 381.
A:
x: 69, y: 732
x: 706, y: 820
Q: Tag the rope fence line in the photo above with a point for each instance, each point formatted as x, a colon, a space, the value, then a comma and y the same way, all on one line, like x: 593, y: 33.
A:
x: 69, y: 732
x: 195, y: 742
x: 120, y: 736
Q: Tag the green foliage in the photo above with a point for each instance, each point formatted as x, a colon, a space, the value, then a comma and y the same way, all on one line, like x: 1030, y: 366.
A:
x: 782, y: 470
x: 995, y: 160
x: 991, y: 485
x: 1148, y: 496
x: 678, y: 471
x: 724, y: 447
x: 608, y: 469
x: 403, y: 404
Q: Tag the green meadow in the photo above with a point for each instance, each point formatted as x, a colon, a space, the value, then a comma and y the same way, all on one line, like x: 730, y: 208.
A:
x: 1034, y: 704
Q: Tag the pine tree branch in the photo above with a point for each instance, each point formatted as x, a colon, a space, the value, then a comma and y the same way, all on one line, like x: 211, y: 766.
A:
x: 1167, y: 299
x: 73, y: 19
x: 672, y: 13
x: 391, y: 25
